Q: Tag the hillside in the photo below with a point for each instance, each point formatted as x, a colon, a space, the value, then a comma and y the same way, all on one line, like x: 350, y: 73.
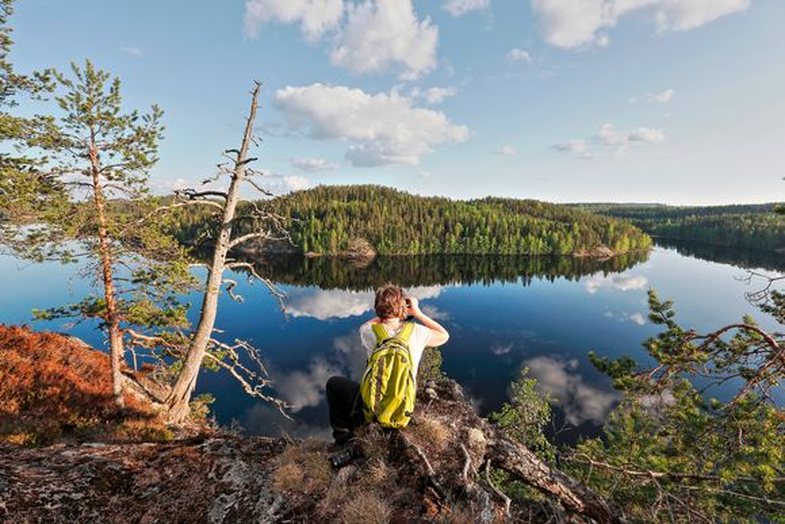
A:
x: 55, y: 388
x: 756, y: 226
x: 334, y: 220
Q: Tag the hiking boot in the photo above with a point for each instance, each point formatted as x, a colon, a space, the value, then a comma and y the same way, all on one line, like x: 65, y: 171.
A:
x: 345, y: 457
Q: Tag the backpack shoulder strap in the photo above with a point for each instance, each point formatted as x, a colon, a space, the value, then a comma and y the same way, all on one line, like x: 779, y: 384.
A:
x: 380, y: 332
x: 403, y: 335
x: 406, y: 332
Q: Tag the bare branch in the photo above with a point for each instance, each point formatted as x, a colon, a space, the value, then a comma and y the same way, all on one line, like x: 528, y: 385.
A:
x: 651, y: 474
x: 230, y: 289
x: 247, y: 161
x: 192, y: 194
x: 274, y: 290
x: 249, y: 236
x: 258, y: 187
x: 246, y: 376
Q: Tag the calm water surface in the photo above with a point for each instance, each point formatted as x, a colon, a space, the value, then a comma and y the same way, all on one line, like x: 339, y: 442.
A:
x: 503, y: 313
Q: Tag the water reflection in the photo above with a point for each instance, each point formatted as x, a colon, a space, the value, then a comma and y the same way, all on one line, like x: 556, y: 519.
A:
x: 579, y: 401
x: 544, y: 313
x: 617, y: 282
x: 323, y: 304
x: 744, y: 258
x: 433, y: 270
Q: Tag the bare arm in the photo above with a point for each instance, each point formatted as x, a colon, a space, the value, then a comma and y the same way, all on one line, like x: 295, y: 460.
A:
x: 439, y: 334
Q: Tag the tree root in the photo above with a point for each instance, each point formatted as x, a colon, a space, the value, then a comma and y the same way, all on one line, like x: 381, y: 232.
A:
x: 484, y: 508
x: 507, y: 500
x: 430, y: 475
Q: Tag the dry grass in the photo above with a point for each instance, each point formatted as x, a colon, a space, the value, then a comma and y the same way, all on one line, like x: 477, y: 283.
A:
x: 476, y: 441
x: 52, y: 389
x: 287, y: 477
x: 377, y: 472
x: 302, y: 469
x: 374, y: 441
x: 366, y: 508
x: 459, y: 515
x: 431, y: 432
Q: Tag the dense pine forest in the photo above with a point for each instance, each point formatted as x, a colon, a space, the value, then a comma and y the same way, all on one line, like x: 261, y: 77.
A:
x: 750, y: 226
x: 332, y: 220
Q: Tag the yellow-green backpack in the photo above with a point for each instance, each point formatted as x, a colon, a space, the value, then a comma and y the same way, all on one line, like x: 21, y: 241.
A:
x: 388, y: 386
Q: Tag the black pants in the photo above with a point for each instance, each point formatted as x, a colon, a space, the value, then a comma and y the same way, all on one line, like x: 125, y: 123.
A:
x: 345, y: 404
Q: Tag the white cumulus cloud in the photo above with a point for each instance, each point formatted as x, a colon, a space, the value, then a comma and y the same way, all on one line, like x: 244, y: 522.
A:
x: 572, y: 146
x: 380, y: 128
x: 501, y: 349
x: 437, y: 95
x: 663, y: 97
x: 280, y: 184
x: 329, y: 303
x: 617, y: 282
x: 313, y: 164
x: 646, y: 135
x: 302, y: 389
x: 314, y: 16
x: 518, y: 55
x: 132, y: 51
x: 385, y: 33
x: 580, y: 401
x: 611, y: 137
x: 572, y: 24
x: 506, y: 150
x: 683, y: 15
x: 324, y: 304
x: 461, y: 7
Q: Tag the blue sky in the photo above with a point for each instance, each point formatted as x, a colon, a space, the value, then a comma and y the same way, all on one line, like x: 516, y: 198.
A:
x: 676, y: 101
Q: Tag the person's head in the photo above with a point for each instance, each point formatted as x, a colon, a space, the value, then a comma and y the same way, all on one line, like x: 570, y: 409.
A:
x: 390, y: 302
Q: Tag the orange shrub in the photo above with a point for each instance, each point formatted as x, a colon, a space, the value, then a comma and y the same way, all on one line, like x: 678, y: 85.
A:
x: 53, y: 387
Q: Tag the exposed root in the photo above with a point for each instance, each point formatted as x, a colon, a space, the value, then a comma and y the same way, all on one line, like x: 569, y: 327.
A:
x: 430, y: 476
x: 507, y: 500
x: 484, y: 508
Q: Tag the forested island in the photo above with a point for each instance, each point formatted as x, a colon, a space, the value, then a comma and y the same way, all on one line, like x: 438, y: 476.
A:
x: 370, y: 219
x: 756, y: 226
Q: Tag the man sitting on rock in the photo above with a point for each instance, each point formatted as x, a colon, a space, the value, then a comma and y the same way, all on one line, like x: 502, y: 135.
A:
x: 400, y: 323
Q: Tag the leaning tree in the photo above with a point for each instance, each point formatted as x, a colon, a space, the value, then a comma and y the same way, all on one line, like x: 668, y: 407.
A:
x: 231, y: 223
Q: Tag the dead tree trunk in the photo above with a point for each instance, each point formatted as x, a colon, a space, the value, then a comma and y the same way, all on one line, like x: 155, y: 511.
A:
x: 179, y: 398
x: 111, y: 316
x: 521, y: 462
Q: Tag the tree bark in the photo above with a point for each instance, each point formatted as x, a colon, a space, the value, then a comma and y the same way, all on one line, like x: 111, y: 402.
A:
x: 523, y: 463
x: 178, y: 401
x: 111, y: 317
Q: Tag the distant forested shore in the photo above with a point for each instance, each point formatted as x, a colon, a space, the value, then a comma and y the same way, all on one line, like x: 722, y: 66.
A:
x: 368, y: 220
x: 756, y: 226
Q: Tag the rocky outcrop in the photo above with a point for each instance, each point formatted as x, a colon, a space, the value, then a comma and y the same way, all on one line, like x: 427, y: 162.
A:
x: 438, y: 468
x: 435, y: 469
x: 599, y: 251
x: 225, y: 479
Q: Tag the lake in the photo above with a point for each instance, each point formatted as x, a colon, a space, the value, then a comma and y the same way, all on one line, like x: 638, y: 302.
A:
x: 503, y: 313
